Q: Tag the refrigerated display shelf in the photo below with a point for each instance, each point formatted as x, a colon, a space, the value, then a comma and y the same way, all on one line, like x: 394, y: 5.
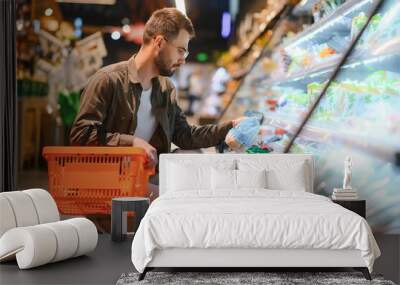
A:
x: 357, y: 116
x: 327, y: 25
x: 380, y: 149
x: 389, y: 62
x: 276, y: 21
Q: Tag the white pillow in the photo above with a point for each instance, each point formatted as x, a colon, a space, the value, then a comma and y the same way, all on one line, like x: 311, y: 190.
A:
x: 183, y: 177
x: 290, y: 180
x: 189, y: 175
x: 251, y: 178
x: 223, y: 179
x: 291, y: 175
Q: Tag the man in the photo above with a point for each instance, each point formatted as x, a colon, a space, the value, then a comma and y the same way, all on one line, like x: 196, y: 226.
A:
x: 136, y: 102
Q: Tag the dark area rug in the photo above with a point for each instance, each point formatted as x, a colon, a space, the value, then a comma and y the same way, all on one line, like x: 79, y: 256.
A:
x: 230, y: 278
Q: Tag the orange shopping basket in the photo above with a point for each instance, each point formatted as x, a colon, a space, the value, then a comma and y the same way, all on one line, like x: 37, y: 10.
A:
x: 82, y: 180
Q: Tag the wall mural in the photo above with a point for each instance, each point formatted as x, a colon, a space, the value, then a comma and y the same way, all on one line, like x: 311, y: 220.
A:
x: 359, y: 116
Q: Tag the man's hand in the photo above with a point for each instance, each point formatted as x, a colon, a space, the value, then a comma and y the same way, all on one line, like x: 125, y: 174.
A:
x: 151, y: 152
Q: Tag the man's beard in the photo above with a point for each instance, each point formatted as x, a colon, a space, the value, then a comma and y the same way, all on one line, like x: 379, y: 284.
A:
x: 162, y: 65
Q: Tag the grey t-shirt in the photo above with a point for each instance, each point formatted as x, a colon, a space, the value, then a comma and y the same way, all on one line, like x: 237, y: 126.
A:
x: 146, y: 122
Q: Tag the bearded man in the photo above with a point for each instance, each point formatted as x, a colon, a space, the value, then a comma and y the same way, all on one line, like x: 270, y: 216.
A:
x: 136, y: 102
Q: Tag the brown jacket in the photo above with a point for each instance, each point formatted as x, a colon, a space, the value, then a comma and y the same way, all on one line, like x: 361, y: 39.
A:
x: 112, y: 97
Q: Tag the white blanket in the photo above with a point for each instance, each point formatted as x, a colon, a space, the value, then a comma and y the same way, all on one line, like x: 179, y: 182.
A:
x: 250, y: 219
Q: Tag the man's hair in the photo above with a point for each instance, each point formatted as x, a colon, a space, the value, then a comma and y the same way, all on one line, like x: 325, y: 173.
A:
x: 167, y: 22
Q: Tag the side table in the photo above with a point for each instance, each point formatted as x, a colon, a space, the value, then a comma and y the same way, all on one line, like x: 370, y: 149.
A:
x: 123, y: 204
x: 357, y: 206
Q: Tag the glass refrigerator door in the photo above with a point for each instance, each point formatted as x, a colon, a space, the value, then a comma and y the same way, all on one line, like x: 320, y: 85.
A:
x: 306, y: 63
x: 359, y: 116
x: 284, y: 84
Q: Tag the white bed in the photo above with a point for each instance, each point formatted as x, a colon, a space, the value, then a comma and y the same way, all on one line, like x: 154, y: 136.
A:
x: 216, y: 224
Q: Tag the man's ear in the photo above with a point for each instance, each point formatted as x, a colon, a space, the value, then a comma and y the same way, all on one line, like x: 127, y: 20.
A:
x: 159, y: 41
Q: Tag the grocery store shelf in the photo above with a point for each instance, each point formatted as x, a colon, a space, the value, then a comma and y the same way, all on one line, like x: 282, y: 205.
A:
x: 362, y: 68
x: 262, y: 29
x: 278, y: 19
x: 380, y: 149
x: 249, y: 44
x: 310, y: 73
x: 389, y: 62
x: 329, y: 24
x: 291, y: 125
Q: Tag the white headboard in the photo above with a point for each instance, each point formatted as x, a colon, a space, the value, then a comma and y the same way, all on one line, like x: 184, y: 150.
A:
x: 210, y: 159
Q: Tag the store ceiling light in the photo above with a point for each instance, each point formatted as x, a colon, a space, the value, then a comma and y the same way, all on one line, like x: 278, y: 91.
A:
x: 98, y: 2
x: 126, y: 28
x: 78, y: 22
x: 226, y: 25
x: 180, y: 5
x: 48, y: 12
x: 116, y: 35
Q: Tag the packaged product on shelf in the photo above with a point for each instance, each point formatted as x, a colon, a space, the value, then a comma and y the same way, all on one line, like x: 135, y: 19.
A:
x: 368, y: 36
x: 267, y: 130
x: 268, y: 65
x: 384, y: 82
x: 282, y: 101
x: 314, y: 89
x: 330, y: 6
x: 324, y: 8
x: 326, y: 51
x: 259, y: 149
x: 272, y: 139
x: 357, y: 23
x: 316, y: 11
x: 271, y: 103
x: 387, y: 36
x: 339, y: 41
x: 283, y: 61
x: 296, y: 96
x: 300, y: 59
